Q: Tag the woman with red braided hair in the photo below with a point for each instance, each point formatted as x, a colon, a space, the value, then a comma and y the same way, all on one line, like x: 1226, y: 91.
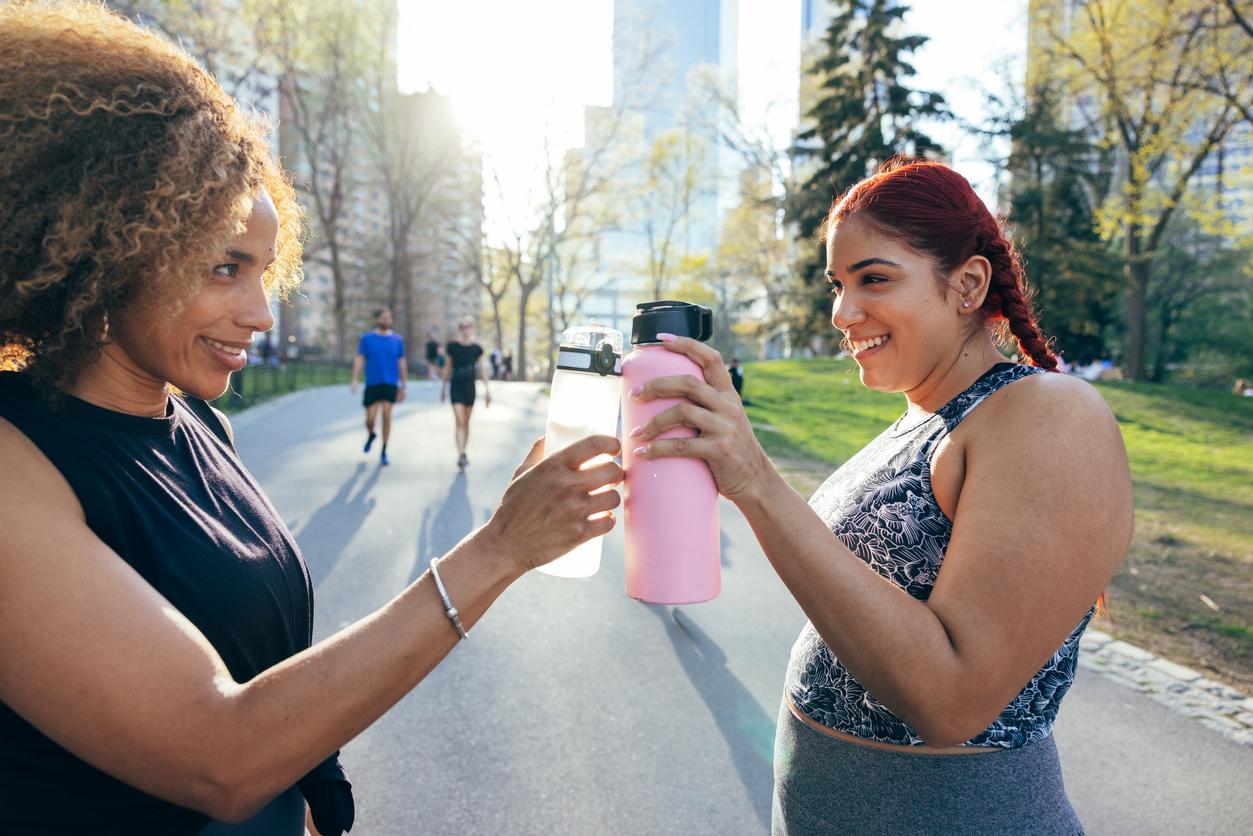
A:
x: 947, y: 569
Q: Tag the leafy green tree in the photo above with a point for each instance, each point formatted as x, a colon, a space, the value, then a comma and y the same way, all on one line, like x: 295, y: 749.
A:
x: 1143, y: 76
x: 1055, y: 173
x: 1200, y: 307
x: 866, y: 113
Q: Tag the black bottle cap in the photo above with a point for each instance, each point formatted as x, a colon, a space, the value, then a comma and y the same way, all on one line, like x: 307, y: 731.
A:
x: 683, y: 319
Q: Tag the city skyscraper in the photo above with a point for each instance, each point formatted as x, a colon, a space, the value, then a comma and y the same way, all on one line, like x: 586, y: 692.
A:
x: 663, y: 52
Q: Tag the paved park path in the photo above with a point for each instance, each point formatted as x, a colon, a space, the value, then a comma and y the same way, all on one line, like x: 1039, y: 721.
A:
x: 575, y: 710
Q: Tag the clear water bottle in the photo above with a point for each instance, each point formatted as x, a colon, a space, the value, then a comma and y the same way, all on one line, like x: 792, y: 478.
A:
x: 670, y: 509
x: 586, y: 393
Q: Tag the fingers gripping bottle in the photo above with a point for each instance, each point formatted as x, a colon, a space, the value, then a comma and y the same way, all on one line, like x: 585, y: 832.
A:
x: 584, y: 401
x: 670, y: 504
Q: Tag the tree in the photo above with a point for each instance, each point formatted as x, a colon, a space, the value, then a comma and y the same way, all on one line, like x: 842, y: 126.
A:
x: 1057, y: 177
x: 755, y: 258
x: 1226, y: 68
x: 865, y: 115
x: 320, y: 54
x: 573, y: 190
x: 1199, y: 299
x: 428, y: 178
x: 663, y: 203
x: 1137, y: 74
x: 215, y: 32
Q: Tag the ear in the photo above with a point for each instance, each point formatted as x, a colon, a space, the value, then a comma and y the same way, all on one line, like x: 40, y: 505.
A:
x: 970, y: 281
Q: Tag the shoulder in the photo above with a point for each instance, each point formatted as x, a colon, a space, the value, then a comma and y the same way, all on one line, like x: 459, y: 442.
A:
x: 1048, y: 416
x: 1051, y: 397
x: 42, y: 483
x: 213, y: 419
x: 226, y: 423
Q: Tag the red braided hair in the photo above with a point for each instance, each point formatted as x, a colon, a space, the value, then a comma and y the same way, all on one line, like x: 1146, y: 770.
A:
x: 936, y: 212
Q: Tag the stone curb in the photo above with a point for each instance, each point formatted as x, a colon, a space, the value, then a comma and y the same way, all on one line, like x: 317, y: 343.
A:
x: 1184, y: 690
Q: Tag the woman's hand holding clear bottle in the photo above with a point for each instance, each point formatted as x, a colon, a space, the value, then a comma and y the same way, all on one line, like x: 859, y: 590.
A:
x: 546, y: 508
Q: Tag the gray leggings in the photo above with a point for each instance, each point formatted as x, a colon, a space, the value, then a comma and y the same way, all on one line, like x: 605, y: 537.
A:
x: 826, y: 785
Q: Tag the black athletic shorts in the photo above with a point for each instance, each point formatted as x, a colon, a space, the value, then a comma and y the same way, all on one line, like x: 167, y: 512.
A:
x: 379, y: 392
x: 462, y: 392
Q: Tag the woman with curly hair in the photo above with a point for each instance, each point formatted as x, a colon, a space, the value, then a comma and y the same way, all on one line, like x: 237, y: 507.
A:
x: 949, y: 568
x: 156, y: 673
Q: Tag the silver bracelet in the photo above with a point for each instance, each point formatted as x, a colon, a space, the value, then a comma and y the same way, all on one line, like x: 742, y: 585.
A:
x: 449, y: 609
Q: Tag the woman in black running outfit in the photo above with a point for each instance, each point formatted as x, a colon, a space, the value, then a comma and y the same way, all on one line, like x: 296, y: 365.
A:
x: 460, y: 373
x: 157, y: 670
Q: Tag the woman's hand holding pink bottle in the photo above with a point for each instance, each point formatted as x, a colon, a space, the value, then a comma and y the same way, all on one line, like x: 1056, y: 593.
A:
x: 724, y: 439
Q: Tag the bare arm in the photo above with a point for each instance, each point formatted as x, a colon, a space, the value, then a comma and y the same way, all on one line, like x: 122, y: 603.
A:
x: 403, y: 370
x: 1008, y: 594
x: 443, y: 387
x: 478, y: 371
x: 358, y: 363
x: 79, y: 628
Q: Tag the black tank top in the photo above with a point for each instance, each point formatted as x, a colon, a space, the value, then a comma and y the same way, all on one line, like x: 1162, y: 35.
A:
x: 463, y: 356
x: 171, y: 498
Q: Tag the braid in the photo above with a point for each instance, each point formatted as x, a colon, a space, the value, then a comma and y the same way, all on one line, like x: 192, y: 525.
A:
x: 1007, y: 299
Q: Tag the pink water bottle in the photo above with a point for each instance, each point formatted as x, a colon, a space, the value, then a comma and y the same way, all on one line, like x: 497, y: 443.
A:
x: 670, y: 504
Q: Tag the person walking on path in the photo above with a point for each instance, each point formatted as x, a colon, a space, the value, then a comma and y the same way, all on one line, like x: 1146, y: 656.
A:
x: 157, y: 671
x: 382, y: 353
x: 432, y: 355
x: 463, y: 369
x: 949, y: 568
x: 496, y: 358
x: 736, y: 371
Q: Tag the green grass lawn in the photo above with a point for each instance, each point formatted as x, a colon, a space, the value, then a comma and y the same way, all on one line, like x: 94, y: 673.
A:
x: 1191, y: 455
x: 259, y: 383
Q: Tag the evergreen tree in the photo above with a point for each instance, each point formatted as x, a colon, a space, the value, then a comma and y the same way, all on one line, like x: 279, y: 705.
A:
x: 1056, y: 177
x: 865, y: 114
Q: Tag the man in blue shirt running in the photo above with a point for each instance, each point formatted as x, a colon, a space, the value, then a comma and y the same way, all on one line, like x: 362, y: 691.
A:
x: 382, y: 353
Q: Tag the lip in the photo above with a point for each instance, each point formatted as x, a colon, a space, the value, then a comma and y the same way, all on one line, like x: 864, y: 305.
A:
x: 230, y: 360
x: 867, y: 352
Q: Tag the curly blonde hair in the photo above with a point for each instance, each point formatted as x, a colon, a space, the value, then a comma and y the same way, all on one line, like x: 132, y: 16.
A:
x: 125, y: 170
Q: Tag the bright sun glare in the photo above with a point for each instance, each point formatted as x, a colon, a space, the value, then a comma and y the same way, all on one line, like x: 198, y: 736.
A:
x: 518, y: 72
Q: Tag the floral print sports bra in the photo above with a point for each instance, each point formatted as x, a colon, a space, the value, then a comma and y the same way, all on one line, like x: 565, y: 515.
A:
x: 881, y: 506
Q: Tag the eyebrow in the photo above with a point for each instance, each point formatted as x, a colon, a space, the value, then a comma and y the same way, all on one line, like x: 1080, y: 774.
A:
x: 240, y: 255
x: 865, y: 262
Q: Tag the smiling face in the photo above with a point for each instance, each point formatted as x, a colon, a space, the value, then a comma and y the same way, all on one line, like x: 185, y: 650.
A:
x: 902, y: 323
x: 197, y: 347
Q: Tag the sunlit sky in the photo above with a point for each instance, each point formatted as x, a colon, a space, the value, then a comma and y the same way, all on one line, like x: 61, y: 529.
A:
x: 520, y: 70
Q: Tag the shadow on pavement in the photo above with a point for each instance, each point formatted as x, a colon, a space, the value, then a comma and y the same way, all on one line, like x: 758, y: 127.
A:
x: 442, y: 529
x: 330, y: 528
x: 748, y: 731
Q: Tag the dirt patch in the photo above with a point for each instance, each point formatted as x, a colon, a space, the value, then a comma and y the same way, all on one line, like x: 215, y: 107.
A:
x: 1190, y: 605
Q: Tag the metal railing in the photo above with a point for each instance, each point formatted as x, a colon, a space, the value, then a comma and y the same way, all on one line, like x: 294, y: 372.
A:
x: 258, y: 382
